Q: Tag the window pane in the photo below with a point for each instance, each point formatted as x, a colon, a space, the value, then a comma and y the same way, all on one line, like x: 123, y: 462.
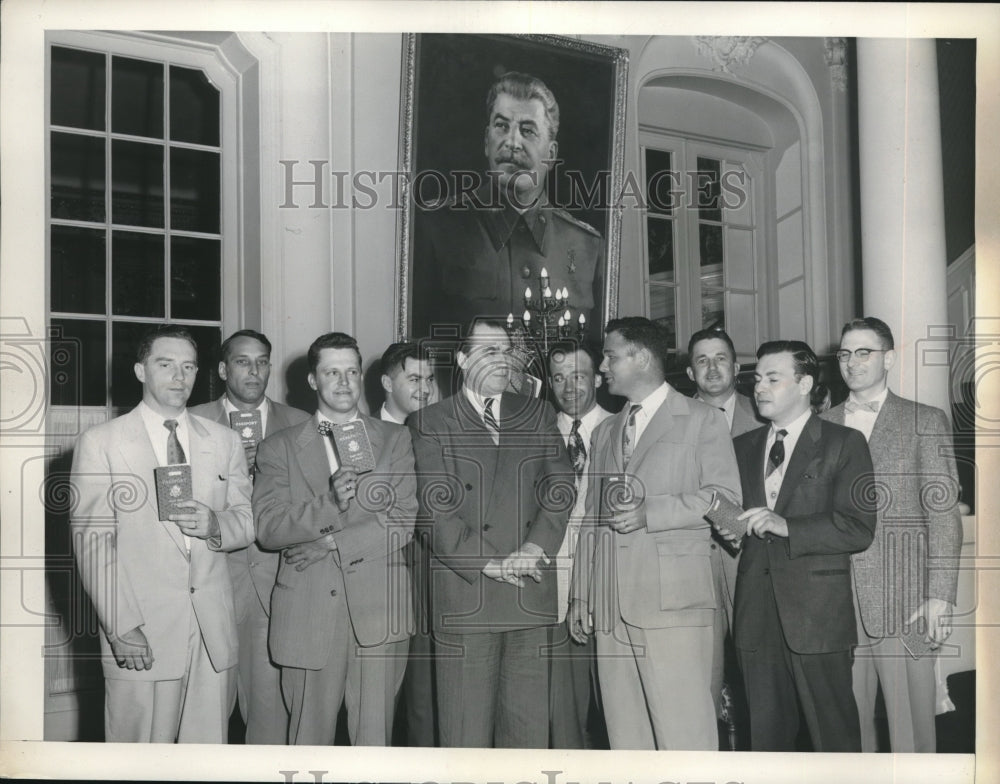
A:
x: 739, y: 258
x: 78, y: 258
x: 710, y: 245
x: 77, y: 177
x: 207, y: 385
x: 737, y: 195
x: 77, y: 90
x: 195, y: 270
x: 660, y: 188
x: 661, y: 250
x: 708, y: 187
x: 663, y: 310
x: 742, y: 318
x: 194, y: 107
x: 713, y: 314
x: 137, y: 183
x: 137, y: 274
x: 194, y: 190
x: 77, y: 363
x: 136, y: 97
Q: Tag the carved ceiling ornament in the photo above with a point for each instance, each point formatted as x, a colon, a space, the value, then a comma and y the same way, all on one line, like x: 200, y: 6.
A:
x: 728, y: 52
x: 835, y: 50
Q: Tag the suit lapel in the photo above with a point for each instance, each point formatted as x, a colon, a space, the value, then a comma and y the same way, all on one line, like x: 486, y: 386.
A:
x: 884, y: 442
x: 806, y: 449
x: 674, y: 405
x: 138, y: 454
x: 757, y: 460
x: 311, y: 457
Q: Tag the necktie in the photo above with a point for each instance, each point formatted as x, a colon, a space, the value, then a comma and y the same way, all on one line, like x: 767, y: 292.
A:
x: 175, y: 452
x: 491, y: 421
x: 628, y: 434
x: 852, y: 406
x: 777, y: 454
x: 577, y: 451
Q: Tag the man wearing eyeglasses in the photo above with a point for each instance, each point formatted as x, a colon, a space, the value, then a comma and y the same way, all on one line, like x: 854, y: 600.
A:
x: 245, y: 367
x: 905, y: 583
x: 494, y: 475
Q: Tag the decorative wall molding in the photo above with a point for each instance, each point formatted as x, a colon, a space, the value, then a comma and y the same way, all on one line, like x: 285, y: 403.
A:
x: 835, y: 51
x: 728, y: 53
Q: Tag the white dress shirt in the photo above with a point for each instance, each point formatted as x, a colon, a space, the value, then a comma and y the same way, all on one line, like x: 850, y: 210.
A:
x: 478, y: 402
x: 158, y: 436
x: 772, y: 483
x: 864, y: 420
x: 650, y: 405
x: 385, y: 416
x: 564, y: 558
x: 728, y: 408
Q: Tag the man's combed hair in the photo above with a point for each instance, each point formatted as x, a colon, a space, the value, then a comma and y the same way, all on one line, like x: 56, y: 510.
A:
x: 467, y: 342
x: 525, y: 87
x: 394, y: 358
x: 805, y: 363
x: 565, y: 347
x: 876, y: 325
x: 330, y: 340
x: 643, y: 333
x: 710, y: 334
x: 145, y: 347
x: 227, y: 344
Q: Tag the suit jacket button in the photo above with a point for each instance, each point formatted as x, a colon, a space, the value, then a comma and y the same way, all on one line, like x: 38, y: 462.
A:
x: 192, y: 589
x: 333, y: 592
x: 468, y: 485
x: 767, y: 571
x: 486, y: 527
x: 714, y: 546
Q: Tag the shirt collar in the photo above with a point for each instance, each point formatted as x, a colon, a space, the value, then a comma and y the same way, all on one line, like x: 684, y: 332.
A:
x: 479, y: 402
x: 155, y: 420
x: 879, y: 398
x: 386, y: 416
x: 500, y: 220
x: 229, y: 408
x: 588, y: 421
x: 794, y: 428
x: 652, y: 402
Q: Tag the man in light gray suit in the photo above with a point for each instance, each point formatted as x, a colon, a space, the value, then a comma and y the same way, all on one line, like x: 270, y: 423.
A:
x: 905, y: 583
x: 245, y: 367
x: 712, y: 366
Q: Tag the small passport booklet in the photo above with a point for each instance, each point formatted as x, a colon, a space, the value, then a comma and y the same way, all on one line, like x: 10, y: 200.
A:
x: 353, y: 447
x: 722, y: 513
x: 248, y: 426
x: 173, y: 488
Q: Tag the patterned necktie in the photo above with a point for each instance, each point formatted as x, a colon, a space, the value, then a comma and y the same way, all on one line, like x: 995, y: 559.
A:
x: 491, y: 421
x: 777, y: 455
x: 325, y: 428
x: 851, y: 406
x: 628, y: 434
x: 577, y: 451
x: 175, y: 452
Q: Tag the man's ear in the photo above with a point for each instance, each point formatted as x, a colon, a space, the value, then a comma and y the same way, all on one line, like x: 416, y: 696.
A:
x: 222, y: 370
x: 690, y: 372
x: 386, y: 383
x: 890, y: 358
x: 553, y: 150
x: 311, y: 378
x: 140, y: 372
x: 598, y: 380
x: 462, y: 359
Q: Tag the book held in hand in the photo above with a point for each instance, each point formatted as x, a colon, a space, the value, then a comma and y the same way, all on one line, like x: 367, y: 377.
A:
x: 173, y: 489
x: 723, y: 513
x: 353, y: 447
x: 248, y: 426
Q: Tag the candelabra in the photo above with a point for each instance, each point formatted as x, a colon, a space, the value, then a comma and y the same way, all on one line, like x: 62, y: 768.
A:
x: 548, y: 317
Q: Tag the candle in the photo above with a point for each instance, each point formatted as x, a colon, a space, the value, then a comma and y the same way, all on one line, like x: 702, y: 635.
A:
x: 562, y: 322
x: 559, y: 295
x: 545, y: 277
x: 547, y: 293
x: 566, y: 316
x: 565, y: 293
x: 526, y: 318
x: 583, y: 320
x: 527, y: 294
x: 510, y: 321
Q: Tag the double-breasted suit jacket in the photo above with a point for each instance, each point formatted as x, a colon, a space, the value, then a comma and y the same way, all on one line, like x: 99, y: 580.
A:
x: 825, y: 498
x: 486, y: 501
x: 137, y: 569
x: 252, y: 569
x: 914, y: 555
x: 293, y: 504
x: 659, y: 576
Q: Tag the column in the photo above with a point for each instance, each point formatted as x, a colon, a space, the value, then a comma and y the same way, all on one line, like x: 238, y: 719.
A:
x: 902, y: 209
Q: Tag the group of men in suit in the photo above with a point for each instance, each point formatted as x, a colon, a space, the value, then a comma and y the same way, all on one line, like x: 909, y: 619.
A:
x: 520, y: 568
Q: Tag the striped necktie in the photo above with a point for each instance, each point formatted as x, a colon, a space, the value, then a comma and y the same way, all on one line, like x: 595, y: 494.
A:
x: 175, y: 452
x: 777, y: 454
x: 628, y: 435
x: 491, y: 421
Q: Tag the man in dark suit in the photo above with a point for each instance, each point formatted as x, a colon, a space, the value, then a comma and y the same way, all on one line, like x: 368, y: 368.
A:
x: 643, y: 568
x: 805, y: 483
x: 159, y: 581
x: 341, y: 609
x: 905, y: 583
x: 495, y: 477
x: 245, y: 367
x: 712, y: 366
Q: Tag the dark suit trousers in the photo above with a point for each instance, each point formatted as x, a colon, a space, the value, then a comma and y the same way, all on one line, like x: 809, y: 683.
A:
x: 570, y: 666
x: 493, y: 689
x: 418, y: 684
x: 778, y: 681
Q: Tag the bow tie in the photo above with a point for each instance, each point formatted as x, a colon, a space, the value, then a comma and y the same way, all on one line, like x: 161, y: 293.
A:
x: 325, y: 428
x: 851, y: 406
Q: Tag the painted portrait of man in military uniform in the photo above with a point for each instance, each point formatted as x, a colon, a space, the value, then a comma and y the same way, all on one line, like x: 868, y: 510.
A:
x: 511, y: 178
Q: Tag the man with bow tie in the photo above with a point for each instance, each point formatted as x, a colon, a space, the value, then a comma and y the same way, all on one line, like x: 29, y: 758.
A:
x: 807, y: 489
x: 905, y: 583
x: 574, y: 381
x: 643, y: 571
x: 341, y: 610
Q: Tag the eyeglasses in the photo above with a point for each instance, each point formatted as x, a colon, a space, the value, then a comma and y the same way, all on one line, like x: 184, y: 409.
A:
x: 861, y: 353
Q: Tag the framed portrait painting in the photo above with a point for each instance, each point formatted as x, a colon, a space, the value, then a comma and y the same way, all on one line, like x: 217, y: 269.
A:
x: 512, y: 149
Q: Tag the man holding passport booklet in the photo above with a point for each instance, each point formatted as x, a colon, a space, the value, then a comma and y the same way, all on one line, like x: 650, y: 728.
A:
x: 160, y: 496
